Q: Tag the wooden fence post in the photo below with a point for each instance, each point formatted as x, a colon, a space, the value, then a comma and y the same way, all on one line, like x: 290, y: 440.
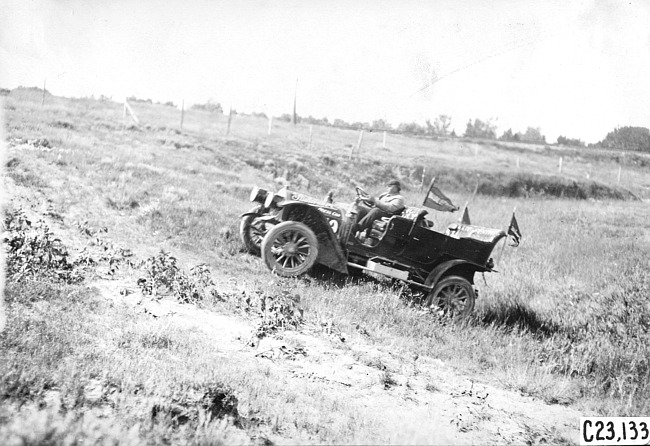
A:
x: 128, y: 108
x: 182, y: 113
x: 384, y: 143
x: 229, y: 120
x: 618, y: 179
x: 270, y: 124
x: 559, y: 169
x: 359, y: 143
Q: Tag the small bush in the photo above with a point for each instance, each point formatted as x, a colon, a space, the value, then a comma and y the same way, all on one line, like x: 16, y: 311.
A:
x: 277, y: 310
x: 23, y: 175
x: 63, y: 125
x: 387, y: 380
x: 163, y: 276
x: 33, y: 252
x: 209, y: 106
x: 115, y: 257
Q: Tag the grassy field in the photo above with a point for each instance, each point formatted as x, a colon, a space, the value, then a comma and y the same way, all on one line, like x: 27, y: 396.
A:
x: 565, y: 320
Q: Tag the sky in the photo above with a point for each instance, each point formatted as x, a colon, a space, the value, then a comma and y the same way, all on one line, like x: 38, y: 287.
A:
x: 573, y: 68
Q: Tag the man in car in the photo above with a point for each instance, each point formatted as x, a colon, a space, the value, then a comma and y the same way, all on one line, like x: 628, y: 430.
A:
x: 387, y: 204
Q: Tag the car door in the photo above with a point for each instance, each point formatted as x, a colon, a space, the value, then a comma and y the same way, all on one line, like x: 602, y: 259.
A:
x: 423, y: 246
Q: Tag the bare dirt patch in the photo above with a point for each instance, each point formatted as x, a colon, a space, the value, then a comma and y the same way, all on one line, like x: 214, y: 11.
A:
x: 421, y: 398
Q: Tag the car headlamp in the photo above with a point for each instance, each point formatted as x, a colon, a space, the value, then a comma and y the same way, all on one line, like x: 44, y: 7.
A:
x: 271, y: 199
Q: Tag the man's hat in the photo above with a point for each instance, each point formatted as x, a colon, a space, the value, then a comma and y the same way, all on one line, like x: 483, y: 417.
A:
x: 394, y: 183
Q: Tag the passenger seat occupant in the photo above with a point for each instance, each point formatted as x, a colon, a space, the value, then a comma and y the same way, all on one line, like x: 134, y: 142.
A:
x: 387, y: 204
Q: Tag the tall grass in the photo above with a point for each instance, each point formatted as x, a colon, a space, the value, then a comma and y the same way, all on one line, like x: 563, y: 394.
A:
x: 569, y: 305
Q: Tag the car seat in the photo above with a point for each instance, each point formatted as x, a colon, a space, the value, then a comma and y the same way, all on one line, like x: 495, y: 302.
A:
x: 379, y: 226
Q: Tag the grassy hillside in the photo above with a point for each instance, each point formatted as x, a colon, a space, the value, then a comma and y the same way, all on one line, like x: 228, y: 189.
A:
x: 566, y: 320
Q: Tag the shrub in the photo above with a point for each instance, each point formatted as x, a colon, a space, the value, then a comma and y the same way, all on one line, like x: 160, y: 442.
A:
x: 411, y: 129
x: 278, y: 310
x: 135, y: 99
x: 112, y: 255
x: 628, y: 138
x: 209, y: 106
x: 162, y: 275
x: 533, y: 135
x: 480, y: 129
x: 569, y: 141
x: 33, y: 252
x: 312, y: 120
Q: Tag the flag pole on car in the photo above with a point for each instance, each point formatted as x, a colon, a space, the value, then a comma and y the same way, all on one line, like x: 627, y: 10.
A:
x: 464, y: 219
x: 514, y: 232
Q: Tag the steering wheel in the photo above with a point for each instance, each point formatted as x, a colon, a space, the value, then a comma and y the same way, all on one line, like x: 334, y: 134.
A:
x: 364, y: 196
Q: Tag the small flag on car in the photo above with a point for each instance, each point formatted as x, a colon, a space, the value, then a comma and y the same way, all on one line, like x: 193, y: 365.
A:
x: 465, y: 218
x: 435, y: 199
x: 513, y: 231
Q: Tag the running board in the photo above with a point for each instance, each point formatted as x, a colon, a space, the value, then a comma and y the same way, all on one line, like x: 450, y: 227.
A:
x: 354, y: 265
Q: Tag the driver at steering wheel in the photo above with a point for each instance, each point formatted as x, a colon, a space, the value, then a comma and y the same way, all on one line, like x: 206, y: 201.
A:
x: 387, y: 204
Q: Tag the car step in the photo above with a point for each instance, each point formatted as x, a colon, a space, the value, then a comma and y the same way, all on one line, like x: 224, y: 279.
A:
x: 354, y: 265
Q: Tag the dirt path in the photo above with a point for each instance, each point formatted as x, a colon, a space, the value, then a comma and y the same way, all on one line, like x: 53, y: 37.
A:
x: 420, y: 397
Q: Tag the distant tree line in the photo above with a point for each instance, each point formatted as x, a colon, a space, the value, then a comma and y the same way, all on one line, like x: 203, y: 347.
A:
x: 532, y: 135
x: 570, y: 141
x: 627, y: 138
x: 622, y: 138
x: 149, y: 101
x: 440, y: 126
x: 480, y: 129
x: 209, y: 106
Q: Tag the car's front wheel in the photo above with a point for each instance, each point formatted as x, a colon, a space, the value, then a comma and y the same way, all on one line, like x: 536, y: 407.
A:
x: 290, y: 249
x: 454, y: 295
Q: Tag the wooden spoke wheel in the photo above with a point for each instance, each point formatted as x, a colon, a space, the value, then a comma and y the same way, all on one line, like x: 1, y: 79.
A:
x: 290, y: 249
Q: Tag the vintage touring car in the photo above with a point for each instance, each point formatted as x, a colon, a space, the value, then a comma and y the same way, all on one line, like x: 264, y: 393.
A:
x: 292, y: 232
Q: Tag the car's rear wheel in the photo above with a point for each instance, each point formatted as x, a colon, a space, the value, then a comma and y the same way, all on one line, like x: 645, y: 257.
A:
x: 251, y: 231
x: 290, y: 249
x: 454, y: 295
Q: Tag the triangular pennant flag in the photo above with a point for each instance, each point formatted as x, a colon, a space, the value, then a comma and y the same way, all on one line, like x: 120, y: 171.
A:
x: 513, y: 230
x: 465, y: 218
x: 435, y: 199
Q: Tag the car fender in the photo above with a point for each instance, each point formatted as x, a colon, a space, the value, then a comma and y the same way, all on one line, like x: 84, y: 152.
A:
x: 257, y: 210
x: 246, y: 214
x: 468, y: 272
x: 330, y: 252
x: 263, y: 217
